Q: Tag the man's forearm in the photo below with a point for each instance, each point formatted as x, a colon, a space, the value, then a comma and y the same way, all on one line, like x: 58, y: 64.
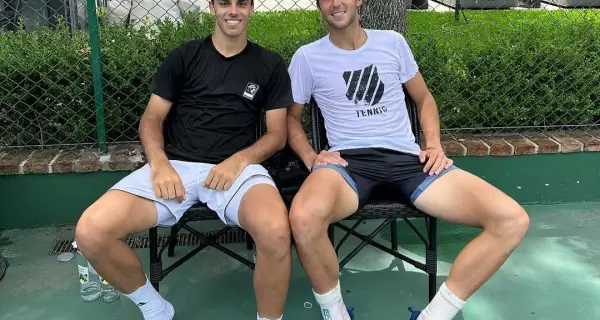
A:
x: 430, y: 122
x: 152, y: 140
x: 263, y: 148
x: 299, y: 142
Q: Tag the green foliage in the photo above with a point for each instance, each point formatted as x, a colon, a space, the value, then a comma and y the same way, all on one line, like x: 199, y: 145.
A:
x: 506, y: 68
x: 511, y: 69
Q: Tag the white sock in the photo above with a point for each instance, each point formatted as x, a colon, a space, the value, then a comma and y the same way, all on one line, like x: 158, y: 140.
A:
x: 444, y: 306
x: 332, y: 304
x: 259, y: 318
x: 152, y: 305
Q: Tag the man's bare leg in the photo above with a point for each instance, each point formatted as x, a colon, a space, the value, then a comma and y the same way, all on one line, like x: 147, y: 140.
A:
x: 264, y: 215
x: 98, y: 234
x: 325, y: 197
x: 463, y: 198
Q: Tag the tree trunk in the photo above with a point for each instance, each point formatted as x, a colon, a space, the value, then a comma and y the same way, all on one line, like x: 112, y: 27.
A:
x: 384, y: 15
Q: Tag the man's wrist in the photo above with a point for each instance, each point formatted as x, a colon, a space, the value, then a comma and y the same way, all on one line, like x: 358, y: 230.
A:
x: 242, y: 158
x: 433, y: 145
x: 309, y: 159
x: 157, y: 158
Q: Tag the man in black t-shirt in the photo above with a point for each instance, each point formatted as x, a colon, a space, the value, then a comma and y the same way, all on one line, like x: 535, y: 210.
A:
x: 199, y: 136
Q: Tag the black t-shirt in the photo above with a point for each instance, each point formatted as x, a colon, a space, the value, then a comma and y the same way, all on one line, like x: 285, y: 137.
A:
x: 218, y: 100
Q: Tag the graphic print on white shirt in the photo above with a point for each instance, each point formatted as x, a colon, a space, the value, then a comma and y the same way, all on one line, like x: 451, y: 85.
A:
x: 359, y: 92
x: 364, y: 86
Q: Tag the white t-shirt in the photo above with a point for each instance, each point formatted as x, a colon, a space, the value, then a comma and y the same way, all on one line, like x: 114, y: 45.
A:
x: 359, y: 91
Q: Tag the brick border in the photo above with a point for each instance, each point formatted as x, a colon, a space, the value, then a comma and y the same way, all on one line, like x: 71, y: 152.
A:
x: 128, y: 157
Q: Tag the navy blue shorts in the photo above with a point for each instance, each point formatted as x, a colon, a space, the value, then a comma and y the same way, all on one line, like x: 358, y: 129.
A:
x: 395, y: 175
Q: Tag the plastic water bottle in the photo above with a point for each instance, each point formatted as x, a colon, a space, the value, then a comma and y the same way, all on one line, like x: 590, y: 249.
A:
x: 88, y: 278
x: 109, y: 293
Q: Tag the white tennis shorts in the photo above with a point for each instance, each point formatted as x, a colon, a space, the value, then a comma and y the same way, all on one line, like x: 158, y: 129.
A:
x: 225, y: 203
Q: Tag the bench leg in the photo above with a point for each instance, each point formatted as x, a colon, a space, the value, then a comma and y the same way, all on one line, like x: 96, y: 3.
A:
x: 172, y: 240
x: 431, y: 256
x: 155, y: 262
x: 394, y: 234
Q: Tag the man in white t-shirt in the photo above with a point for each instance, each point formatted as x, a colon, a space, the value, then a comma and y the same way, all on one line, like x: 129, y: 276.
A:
x: 356, y: 77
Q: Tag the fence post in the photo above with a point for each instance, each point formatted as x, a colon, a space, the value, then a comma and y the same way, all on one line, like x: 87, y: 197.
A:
x: 97, y: 73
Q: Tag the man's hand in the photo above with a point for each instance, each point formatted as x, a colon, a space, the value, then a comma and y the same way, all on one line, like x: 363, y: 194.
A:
x: 436, y: 160
x: 222, y: 176
x: 166, y: 182
x: 327, y: 157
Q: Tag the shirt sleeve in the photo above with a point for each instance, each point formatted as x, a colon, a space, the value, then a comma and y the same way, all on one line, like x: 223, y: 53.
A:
x: 408, y: 65
x: 301, y: 76
x: 279, y: 87
x: 168, y: 79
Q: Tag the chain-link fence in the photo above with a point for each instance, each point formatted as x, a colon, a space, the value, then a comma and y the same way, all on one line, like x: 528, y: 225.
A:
x: 77, y: 72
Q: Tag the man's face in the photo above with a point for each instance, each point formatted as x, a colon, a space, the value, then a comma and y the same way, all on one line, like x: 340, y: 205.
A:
x: 339, y: 13
x: 232, y: 15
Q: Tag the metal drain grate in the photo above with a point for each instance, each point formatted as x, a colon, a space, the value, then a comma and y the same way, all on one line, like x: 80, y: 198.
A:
x: 141, y: 242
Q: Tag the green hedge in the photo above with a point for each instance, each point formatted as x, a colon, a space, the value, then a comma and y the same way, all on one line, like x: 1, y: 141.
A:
x: 504, y: 68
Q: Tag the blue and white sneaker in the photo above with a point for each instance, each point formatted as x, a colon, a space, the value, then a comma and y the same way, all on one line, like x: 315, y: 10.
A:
x: 414, y: 314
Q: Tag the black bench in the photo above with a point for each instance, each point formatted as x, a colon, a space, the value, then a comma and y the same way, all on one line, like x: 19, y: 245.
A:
x: 288, y: 172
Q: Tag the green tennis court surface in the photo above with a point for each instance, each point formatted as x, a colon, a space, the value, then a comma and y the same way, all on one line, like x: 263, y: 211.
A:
x: 553, y: 275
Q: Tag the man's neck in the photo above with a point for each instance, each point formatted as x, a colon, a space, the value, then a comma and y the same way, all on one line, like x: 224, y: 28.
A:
x: 350, y: 38
x: 229, y: 46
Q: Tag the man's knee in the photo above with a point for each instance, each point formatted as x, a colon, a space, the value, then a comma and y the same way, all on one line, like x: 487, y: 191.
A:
x: 512, y: 224
x: 264, y: 215
x: 273, y: 237
x: 112, y: 217
x: 324, y: 197
x: 308, y: 217
x: 89, y: 233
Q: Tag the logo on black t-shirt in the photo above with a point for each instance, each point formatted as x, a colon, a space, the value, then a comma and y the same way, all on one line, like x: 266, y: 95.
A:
x: 250, y: 90
x: 364, y: 85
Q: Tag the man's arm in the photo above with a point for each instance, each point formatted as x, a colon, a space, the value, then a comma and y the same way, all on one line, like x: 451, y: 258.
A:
x: 297, y: 138
x: 279, y: 97
x: 302, y: 89
x: 150, y: 129
x: 427, y: 110
x: 433, y: 156
x: 165, y: 87
x: 166, y: 182
x: 270, y: 142
x: 222, y: 176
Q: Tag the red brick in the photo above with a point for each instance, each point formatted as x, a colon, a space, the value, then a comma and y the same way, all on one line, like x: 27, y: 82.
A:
x: 590, y: 143
x: 120, y: 162
x: 12, y: 160
x: 499, y: 147
x: 453, y: 147
x: 125, y: 157
x: 568, y: 143
x: 474, y: 145
x: 65, y: 162
x: 595, y: 133
x: 125, y: 149
x: 522, y: 145
x: 39, y: 161
x: 89, y: 160
x: 545, y: 144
